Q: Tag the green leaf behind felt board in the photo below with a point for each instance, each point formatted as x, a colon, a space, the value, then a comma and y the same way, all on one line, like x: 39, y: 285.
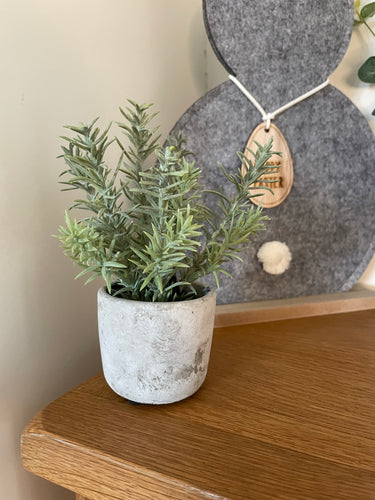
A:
x: 368, y: 10
x: 366, y: 72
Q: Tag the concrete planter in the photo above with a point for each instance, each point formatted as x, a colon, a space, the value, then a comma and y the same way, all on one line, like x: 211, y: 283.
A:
x: 155, y: 353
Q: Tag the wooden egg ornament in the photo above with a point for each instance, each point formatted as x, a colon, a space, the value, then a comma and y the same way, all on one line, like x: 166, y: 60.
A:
x: 281, y: 181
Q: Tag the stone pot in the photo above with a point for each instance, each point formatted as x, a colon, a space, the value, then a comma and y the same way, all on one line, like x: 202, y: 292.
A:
x: 155, y: 352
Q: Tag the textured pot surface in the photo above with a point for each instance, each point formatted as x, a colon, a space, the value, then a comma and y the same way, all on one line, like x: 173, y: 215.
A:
x: 155, y: 353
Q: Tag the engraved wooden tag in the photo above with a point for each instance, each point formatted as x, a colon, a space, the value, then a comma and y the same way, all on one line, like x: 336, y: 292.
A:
x: 283, y: 179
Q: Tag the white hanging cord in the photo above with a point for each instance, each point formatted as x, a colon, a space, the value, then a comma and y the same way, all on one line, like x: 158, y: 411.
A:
x: 248, y: 95
x: 267, y: 117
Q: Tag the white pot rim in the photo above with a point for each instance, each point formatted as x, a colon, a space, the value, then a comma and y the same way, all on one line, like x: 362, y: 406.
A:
x: 208, y: 294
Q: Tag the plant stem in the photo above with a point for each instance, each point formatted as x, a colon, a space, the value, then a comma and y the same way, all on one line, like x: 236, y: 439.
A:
x: 363, y: 20
x: 373, y: 34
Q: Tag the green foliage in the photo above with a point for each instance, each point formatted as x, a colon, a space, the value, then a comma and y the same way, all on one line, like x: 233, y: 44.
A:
x: 148, y: 233
x: 366, y: 72
x: 367, y: 11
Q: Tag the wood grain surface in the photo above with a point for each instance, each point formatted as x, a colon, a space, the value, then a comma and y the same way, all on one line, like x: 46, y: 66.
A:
x: 287, y: 412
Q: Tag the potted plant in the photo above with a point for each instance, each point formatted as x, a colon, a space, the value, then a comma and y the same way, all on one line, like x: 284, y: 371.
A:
x: 149, y: 235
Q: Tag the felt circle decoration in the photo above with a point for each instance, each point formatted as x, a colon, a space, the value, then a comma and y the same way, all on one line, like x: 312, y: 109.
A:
x: 327, y: 219
x: 279, y: 49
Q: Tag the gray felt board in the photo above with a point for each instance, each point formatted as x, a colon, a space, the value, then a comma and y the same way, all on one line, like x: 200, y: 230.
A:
x: 279, y: 50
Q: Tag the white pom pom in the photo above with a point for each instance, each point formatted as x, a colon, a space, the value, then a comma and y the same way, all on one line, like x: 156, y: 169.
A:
x: 275, y: 257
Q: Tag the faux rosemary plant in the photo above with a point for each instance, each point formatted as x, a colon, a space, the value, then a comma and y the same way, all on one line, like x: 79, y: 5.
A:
x: 149, y: 234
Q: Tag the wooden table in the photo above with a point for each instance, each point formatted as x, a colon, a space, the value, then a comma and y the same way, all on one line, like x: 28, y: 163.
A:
x: 287, y: 412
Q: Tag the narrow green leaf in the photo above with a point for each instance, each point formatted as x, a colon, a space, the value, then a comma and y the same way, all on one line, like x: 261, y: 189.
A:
x: 91, y: 278
x: 117, y: 265
x: 107, y: 278
x: 90, y: 269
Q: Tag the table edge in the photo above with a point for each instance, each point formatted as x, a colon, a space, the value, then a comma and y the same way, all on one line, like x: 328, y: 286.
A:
x: 359, y: 298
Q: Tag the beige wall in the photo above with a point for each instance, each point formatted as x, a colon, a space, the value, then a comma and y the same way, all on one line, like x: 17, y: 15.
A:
x: 64, y: 62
